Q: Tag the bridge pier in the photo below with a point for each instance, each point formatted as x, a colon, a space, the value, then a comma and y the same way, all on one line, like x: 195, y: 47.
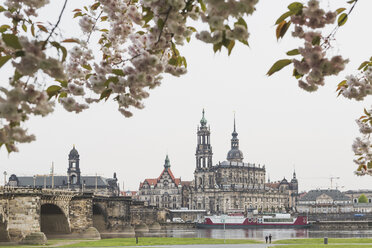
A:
x: 28, y: 210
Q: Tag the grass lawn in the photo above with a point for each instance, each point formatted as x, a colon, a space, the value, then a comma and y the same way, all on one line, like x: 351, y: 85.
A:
x: 321, y: 240
x: 159, y: 241
x: 323, y: 246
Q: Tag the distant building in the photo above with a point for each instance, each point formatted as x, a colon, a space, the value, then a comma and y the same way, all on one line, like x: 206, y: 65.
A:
x: 325, y: 201
x: 164, y: 191
x: 355, y: 194
x: 234, y: 185
x: 132, y: 194
x: 72, y: 181
x: 229, y: 186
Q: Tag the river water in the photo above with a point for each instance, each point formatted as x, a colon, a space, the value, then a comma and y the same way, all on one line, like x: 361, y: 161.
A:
x: 260, y: 234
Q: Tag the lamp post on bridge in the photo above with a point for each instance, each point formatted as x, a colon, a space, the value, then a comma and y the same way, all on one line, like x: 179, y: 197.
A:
x: 5, y: 178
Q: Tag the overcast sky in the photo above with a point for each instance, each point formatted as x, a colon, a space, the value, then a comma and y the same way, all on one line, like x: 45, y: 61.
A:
x: 279, y: 124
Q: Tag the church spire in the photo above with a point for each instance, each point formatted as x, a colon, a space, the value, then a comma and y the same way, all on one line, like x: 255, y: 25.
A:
x: 203, y: 121
x: 235, y: 155
x: 167, y: 162
x: 234, y: 124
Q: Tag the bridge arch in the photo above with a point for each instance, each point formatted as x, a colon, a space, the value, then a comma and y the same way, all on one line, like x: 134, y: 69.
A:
x: 53, y: 220
x: 99, y: 218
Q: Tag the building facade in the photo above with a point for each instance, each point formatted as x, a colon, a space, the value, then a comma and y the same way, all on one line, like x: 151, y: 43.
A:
x: 229, y: 186
x: 325, y: 201
x: 73, y: 180
x: 233, y: 185
x: 164, y: 191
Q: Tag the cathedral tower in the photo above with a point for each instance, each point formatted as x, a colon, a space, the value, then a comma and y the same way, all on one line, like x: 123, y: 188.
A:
x: 203, y: 171
x: 235, y: 155
x: 73, y: 171
x: 204, y: 149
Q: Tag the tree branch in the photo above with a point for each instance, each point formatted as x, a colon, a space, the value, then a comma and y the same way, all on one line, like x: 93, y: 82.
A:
x: 55, y: 26
x: 165, y: 21
x: 95, y: 23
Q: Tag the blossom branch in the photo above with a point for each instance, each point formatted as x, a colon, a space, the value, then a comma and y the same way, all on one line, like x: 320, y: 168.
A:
x: 165, y: 21
x: 94, y: 25
x: 56, y: 25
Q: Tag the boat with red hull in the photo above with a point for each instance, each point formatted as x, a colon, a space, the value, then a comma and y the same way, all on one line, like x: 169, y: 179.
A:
x: 241, y: 222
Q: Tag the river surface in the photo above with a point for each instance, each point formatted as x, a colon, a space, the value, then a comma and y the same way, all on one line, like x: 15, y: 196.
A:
x: 259, y: 234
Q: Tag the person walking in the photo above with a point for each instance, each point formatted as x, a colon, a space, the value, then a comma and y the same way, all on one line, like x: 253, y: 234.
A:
x: 266, y: 238
x: 270, y: 238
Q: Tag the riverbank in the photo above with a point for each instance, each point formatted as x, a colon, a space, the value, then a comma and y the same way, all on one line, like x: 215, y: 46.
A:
x: 208, y: 243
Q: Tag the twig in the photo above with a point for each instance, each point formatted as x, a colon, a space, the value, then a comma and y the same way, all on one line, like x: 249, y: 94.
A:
x: 55, y: 26
x: 95, y: 23
x: 333, y: 33
x: 165, y: 21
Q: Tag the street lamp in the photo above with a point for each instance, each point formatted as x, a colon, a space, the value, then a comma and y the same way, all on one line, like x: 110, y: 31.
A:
x: 34, y: 180
x: 5, y: 178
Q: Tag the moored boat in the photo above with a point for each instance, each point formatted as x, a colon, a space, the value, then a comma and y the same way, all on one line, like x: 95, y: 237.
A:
x: 261, y: 221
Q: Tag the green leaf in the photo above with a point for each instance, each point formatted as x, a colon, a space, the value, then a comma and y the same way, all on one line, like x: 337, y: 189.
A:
x: 4, y: 59
x: 293, y: 52
x: 118, y: 72
x: 278, y: 65
x: 17, y: 75
x: 106, y: 94
x: 33, y: 30
x: 244, y: 42
x: 173, y: 61
x: 24, y: 27
x: 282, y: 29
x: 148, y: 17
x: 296, y: 8
x: 230, y: 46
x: 160, y: 24
x: 63, y: 83
x: 283, y: 17
x: 184, y: 62
x: 95, y: 6
x: 362, y: 65
x: 111, y: 79
x: 4, y: 28
x: 241, y: 21
x: 202, y: 5
x: 342, y: 19
x: 316, y: 41
x: 296, y: 74
x: 53, y: 90
x: 12, y: 41
x: 191, y: 28
x: 217, y: 47
x: 19, y: 53
x: 340, y: 10
x: 366, y: 112
x: 88, y: 67
x: 62, y: 95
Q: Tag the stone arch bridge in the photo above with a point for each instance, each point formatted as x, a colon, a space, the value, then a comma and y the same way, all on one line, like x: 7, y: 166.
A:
x: 27, y: 210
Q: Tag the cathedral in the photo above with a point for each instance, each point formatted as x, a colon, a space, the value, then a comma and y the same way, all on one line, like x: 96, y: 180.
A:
x: 227, y: 187
x: 233, y: 185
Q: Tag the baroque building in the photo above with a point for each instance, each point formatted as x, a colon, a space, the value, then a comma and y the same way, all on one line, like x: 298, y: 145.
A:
x: 164, y: 191
x: 73, y: 181
x: 229, y: 186
x: 233, y: 185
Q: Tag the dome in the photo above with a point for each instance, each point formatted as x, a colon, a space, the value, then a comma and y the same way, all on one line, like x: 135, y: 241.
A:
x: 203, y: 121
x: 74, y: 154
x: 235, y: 155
